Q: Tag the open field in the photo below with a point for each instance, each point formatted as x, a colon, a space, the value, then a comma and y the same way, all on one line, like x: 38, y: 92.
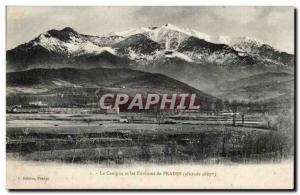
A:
x: 49, y: 120
x: 108, y: 141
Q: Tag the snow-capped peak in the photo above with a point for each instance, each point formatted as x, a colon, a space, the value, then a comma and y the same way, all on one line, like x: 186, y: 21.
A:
x: 241, y: 44
x: 175, y: 28
x: 238, y: 40
x: 71, y: 44
x: 69, y: 30
x: 132, y: 31
x: 167, y: 32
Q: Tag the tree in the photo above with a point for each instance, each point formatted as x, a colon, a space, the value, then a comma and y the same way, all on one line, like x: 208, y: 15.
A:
x: 234, y: 106
x: 219, y: 105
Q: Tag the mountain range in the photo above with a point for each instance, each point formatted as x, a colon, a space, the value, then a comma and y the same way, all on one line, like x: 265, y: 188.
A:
x: 201, y: 61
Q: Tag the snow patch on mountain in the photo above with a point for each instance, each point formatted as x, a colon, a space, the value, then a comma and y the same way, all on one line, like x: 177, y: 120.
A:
x: 132, y: 31
x: 182, y: 56
x: 75, y: 46
x: 139, y: 57
x: 104, y: 41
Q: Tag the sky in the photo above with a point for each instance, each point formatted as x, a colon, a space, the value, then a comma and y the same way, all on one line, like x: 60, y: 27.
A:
x: 271, y: 25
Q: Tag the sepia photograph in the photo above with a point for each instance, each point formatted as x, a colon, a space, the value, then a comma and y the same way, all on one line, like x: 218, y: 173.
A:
x: 150, y: 97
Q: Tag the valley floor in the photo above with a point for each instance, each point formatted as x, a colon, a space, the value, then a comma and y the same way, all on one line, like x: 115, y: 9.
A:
x: 106, y: 139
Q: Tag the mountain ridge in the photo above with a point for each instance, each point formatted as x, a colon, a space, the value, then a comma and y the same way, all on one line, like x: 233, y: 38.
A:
x: 59, y: 46
x: 185, y: 55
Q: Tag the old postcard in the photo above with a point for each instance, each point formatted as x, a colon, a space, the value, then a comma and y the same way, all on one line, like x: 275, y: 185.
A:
x: 150, y: 97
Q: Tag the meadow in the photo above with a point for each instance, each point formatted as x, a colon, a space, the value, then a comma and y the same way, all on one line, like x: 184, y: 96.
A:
x: 112, y: 142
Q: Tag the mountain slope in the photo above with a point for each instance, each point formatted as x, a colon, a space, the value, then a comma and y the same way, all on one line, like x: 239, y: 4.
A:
x: 123, y: 79
x: 64, y: 48
x: 138, y: 43
x: 269, y: 77
x: 78, y: 77
x: 170, y: 37
x: 259, y: 87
